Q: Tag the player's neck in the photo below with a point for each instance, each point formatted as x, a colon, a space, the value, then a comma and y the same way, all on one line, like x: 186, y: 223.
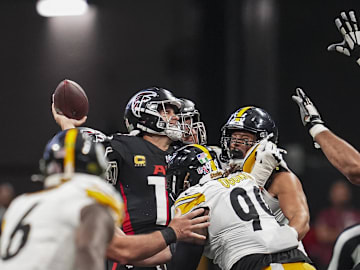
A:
x: 160, y: 141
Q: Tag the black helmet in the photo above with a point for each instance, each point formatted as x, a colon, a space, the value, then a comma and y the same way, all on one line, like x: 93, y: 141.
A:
x: 190, y: 163
x: 71, y: 151
x: 191, y: 124
x: 142, y: 112
x: 252, y: 119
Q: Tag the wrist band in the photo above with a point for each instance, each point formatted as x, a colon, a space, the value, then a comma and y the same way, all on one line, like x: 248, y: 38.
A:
x: 169, y: 235
x: 316, y: 129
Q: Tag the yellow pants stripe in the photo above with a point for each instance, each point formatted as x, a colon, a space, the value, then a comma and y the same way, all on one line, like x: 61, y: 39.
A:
x: 290, y: 266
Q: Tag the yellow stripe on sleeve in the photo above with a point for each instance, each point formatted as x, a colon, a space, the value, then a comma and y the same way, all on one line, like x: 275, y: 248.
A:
x: 186, y: 204
x: 3, y: 225
x: 105, y: 199
x: 250, y: 160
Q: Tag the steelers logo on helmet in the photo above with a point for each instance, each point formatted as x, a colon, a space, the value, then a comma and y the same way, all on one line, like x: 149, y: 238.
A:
x: 147, y: 112
x: 250, y: 119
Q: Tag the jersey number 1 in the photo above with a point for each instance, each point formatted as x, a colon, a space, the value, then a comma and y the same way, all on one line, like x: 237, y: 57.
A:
x: 161, y: 198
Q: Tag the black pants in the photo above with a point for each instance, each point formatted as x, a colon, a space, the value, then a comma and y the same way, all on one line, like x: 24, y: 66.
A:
x: 259, y: 261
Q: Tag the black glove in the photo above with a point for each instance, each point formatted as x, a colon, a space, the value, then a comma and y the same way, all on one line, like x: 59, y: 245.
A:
x: 310, y: 117
x: 349, y: 29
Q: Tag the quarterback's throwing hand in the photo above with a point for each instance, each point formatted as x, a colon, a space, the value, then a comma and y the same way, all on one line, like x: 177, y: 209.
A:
x: 347, y: 26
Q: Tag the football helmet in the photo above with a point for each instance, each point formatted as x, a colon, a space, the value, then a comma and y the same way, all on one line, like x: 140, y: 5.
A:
x: 72, y: 151
x: 251, y: 119
x: 188, y: 165
x: 143, y: 113
x: 192, y: 127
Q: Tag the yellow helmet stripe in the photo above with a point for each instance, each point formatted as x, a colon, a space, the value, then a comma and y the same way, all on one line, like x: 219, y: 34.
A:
x: 69, y: 159
x: 241, y: 112
x: 212, y: 163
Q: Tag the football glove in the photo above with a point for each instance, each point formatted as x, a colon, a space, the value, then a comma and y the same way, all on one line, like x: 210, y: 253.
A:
x: 261, y: 160
x: 347, y: 26
x: 310, y: 116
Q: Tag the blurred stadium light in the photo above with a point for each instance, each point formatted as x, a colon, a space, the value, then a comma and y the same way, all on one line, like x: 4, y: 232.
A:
x: 55, y: 8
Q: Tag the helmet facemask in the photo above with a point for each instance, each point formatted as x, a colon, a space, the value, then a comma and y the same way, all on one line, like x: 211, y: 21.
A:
x: 246, y: 119
x: 193, y: 129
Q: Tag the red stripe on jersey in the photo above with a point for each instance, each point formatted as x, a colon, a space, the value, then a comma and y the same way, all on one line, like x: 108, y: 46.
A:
x: 127, y: 227
x: 114, y: 266
x: 167, y: 204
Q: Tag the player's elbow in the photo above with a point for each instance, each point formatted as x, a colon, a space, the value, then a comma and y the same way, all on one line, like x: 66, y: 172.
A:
x: 303, y: 231
x: 353, y: 175
x: 123, y: 255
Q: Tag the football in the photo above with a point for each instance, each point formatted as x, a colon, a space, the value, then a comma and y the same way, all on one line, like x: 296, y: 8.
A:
x: 71, y: 100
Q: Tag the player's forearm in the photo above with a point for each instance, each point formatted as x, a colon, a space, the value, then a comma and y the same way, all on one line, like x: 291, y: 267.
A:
x: 341, y: 154
x: 162, y: 257
x: 130, y: 248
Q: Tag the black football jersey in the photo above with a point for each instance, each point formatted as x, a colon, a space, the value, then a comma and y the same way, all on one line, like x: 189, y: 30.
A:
x: 138, y: 171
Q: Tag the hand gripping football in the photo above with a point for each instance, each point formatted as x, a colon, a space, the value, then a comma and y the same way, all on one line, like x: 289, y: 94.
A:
x: 71, y: 100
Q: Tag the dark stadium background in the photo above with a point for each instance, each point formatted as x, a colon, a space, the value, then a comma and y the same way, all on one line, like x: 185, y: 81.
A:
x: 221, y: 54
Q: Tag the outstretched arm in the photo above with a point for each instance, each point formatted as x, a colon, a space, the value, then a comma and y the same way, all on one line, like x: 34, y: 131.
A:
x: 340, y: 153
x: 128, y: 249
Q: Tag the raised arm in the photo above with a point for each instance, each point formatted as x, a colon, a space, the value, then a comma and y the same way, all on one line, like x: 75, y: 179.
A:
x: 65, y: 122
x: 340, y: 153
x: 348, y: 28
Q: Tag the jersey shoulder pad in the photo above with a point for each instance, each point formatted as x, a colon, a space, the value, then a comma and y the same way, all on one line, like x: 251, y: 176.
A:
x: 105, y: 194
x: 95, y: 135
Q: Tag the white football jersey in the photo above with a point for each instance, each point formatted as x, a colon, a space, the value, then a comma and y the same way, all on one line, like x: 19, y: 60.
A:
x: 240, y: 222
x: 39, y: 228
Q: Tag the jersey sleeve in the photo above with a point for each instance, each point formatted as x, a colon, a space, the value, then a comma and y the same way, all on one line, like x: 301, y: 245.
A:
x: 114, y: 157
x: 190, y: 200
x: 109, y: 197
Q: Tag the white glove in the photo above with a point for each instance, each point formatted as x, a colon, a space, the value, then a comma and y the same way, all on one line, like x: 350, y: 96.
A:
x: 349, y: 29
x: 267, y: 157
x: 310, y: 117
